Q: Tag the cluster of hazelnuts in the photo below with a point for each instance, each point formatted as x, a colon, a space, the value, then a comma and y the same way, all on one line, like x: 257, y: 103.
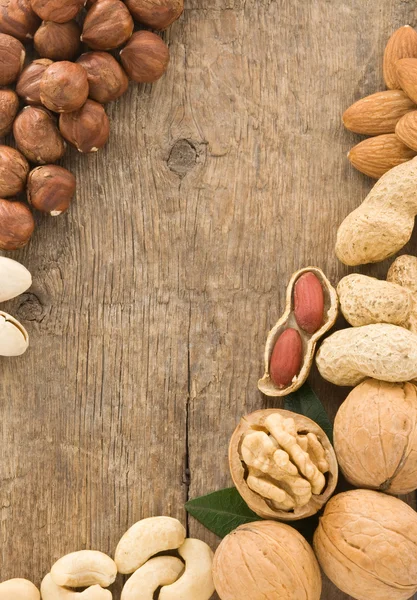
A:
x: 73, y: 86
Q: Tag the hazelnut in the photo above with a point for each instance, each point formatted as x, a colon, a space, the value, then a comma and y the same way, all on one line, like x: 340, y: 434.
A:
x: 37, y: 136
x: 59, y: 11
x: 87, y: 129
x: 16, y: 225
x: 106, y: 78
x: 64, y: 87
x: 157, y: 14
x: 108, y: 24
x: 28, y: 84
x: 50, y: 189
x: 12, y: 57
x: 9, y: 105
x: 18, y: 19
x: 145, y: 57
x: 58, y: 41
x: 14, y: 169
x: 265, y: 560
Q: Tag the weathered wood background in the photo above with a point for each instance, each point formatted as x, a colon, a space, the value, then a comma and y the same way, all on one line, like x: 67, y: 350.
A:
x: 153, y: 297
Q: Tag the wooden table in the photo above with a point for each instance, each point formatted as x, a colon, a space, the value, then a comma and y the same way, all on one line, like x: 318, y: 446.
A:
x: 153, y: 297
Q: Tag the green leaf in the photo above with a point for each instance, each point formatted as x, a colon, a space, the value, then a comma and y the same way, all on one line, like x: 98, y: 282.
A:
x: 305, y: 402
x: 221, y: 512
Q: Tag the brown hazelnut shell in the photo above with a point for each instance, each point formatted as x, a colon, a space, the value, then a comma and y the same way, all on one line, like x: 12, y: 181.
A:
x: 14, y: 169
x: 108, y: 25
x: 18, y: 19
x: 16, y: 225
x: 50, y: 189
x: 106, y: 78
x: 28, y: 84
x: 157, y: 14
x: 9, y: 105
x: 37, y: 136
x: 255, y: 421
x: 145, y: 58
x: 58, y: 41
x: 331, y: 309
x: 12, y: 58
x: 59, y: 11
x: 64, y: 87
x: 87, y: 129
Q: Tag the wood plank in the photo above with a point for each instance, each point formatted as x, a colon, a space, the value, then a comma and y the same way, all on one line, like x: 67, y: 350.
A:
x: 152, y: 299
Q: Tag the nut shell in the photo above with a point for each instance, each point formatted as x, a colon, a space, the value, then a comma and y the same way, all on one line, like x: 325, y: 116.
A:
x: 377, y: 448
x: 37, y: 136
x: 12, y: 58
x: 108, y: 25
x: 403, y: 271
x: 266, y: 560
x: 58, y: 41
x: 14, y: 341
x: 18, y: 19
x: 14, y: 169
x: 366, y: 543
x: 145, y: 57
x: 87, y: 129
x: 50, y: 189
x: 28, y: 85
x: 64, y: 87
x: 106, y: 78
x: 256, y: 422
x: 9, y: 105
x: 157, y: 14
x: 16, y: 225
x: 59, y: 11
x: 266, y: 385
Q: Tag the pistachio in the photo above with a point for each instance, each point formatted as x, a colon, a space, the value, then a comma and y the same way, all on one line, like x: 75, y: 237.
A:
x: 14, y: 339
x: 14, y: 279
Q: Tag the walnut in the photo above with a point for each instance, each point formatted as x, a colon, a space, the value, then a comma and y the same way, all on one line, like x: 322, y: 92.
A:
x: 282, y: 464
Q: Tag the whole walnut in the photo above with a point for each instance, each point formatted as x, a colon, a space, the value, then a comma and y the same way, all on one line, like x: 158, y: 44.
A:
x: 58, y: 41
x: 157, y: 14
x: 28, y: 85
x: 266, y: 560
x: 375, y: 436
x: 18, y: 19
x: 366, y: 544
x: 9, y: 105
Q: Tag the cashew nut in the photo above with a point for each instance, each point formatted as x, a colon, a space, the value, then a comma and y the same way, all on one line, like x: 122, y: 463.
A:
x: 18, y: 589
x: 51, y: 591
x: 14, y: 339
x: 142, y: 585
x: 14, y: 279
x: 145, y: 539
x: 197, y: 581
x: 84, y: 568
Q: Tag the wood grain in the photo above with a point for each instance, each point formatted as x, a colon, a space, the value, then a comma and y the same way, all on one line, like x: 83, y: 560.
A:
x: 153, y: 297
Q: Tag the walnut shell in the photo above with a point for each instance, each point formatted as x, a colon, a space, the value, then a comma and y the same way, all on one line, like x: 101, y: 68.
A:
x: 9, y: 105
x: 266, y: 385
x: 266, y: 560
x: 261, y: 506
x: 18, y: 19
x: 157, y: 14
x: 28, y: 85
x: 366, y: 543
x: 58, y: 41
x: 37, y: 136
x: 377, y: 448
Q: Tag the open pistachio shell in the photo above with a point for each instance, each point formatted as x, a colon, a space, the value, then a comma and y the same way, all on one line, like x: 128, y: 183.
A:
x: 14, y: 339
x: 14, y: 279
x: 266, y: 385
x: 263, y: 507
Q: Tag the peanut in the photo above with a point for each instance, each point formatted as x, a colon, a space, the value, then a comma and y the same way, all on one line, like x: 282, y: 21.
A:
x: 403, y: 271
x: 308, y: 303
x: 286, y: 358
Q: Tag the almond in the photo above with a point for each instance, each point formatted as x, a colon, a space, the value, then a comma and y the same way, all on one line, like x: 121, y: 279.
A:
x: 378, y: 113
x: 377, y: 155
x: 286, y: 358
x: 407, y: 76
x: 406, y: 129
x: 308, y: 303
x: 402, y: 44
